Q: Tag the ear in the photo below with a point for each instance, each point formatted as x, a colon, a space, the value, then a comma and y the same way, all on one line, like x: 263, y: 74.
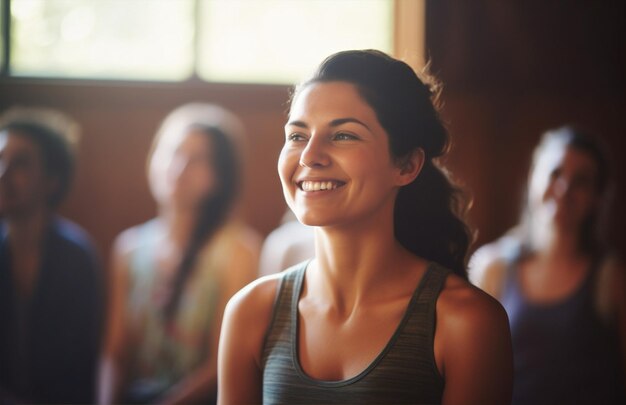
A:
x: 410, y: 167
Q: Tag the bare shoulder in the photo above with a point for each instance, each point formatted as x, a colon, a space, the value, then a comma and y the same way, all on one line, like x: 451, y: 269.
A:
x: 248, y: 315
x: 246, y: 319
x: 257, y: 295
x: 465, y: 306
x: 130, y: 239
x: 473, y: 345
x: 126, y: 241
x: 488, y: 266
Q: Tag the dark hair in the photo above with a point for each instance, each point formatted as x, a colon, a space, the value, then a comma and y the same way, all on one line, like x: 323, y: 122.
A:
x: 214, y: 209
x: 592, y: 232
x: 428, y: 212
x: 56, y: 151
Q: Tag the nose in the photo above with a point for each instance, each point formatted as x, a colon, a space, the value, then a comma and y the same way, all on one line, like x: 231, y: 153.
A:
x: 561, y: 187
x: 315, y: 154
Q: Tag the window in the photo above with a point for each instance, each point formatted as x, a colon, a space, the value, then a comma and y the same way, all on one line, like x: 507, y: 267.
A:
x: 130, y: 39
x: 280, y: 41
x: 241, y: 41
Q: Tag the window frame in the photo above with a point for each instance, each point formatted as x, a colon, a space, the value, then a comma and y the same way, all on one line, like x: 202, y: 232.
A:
x: 408, y: 38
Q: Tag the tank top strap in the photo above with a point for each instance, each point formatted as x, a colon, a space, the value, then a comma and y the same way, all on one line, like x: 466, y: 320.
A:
x: 421, y: 311
x: 432, y: 284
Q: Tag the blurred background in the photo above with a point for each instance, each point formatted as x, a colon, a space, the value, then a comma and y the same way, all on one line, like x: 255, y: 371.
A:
x: 510, y: 70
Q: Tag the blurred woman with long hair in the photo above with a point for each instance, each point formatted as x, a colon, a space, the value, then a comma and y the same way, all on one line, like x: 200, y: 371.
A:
x: 173, y: 275
x: 562, y: 287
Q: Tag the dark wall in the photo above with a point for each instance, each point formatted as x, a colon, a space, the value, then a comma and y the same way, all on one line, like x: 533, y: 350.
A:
x: 511, y: 69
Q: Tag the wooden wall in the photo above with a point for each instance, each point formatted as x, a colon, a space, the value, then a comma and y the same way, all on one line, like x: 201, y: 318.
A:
x: 510, y: 70
x: 118, y: 122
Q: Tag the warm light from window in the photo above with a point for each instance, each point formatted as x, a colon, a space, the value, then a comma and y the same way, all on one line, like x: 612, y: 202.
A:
x: 239, y: 41
x: 138, y: 39
x: 281, y: 41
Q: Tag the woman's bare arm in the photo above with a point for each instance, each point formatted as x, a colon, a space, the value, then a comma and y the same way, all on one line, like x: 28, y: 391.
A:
x: 111, y: 373
x: 473, y: 346
x: 246, y: 320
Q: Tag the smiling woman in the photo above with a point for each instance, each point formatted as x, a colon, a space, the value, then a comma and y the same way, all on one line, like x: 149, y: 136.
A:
x: 356, y: 324
x: 324, y: 131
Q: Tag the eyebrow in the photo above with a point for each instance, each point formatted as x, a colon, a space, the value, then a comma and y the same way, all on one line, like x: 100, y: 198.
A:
x: 333, y: 123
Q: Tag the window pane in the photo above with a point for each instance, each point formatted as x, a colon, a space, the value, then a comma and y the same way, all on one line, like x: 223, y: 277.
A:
x: 128, y: 39
x: 282, y: 41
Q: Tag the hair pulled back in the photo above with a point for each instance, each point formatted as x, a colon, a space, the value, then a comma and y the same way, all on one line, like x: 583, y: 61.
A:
x: 428, y: 212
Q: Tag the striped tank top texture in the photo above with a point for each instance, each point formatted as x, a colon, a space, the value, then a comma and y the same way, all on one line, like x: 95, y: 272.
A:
x: 404, y: 372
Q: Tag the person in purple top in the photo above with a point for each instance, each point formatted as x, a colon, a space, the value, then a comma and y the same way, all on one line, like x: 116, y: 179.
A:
x: 563, y: 289
x: 50, y: 287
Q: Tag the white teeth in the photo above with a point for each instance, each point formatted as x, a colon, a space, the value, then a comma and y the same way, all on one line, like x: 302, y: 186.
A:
x: 318, y: 185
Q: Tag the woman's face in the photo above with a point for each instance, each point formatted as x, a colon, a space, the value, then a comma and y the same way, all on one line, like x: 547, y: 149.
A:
x: 335, y: 166
x: 24, y: 186
x: 563, y: 187
x: 180, y: 172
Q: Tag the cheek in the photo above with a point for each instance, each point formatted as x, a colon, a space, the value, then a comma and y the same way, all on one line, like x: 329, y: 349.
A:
x: 368, y: 169
x: 29, y: 180
x: 286, y: 165
x: 199, y: 178
x: 587, y: 202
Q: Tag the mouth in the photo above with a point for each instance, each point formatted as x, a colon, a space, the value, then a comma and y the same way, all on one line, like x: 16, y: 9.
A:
x: 312, y: 186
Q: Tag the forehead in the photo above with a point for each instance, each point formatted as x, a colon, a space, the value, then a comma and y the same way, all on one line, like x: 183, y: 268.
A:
x: 567, y: 157
x: 185, y: 137
x: 329, y: 100
x: 14, y: 142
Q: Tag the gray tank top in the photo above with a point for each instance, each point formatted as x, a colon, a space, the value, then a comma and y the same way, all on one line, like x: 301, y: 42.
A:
x: 404, y: 372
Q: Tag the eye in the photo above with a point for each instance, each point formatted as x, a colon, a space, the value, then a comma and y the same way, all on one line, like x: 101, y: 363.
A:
x: 344, y: 136
x: 296, y: 136
x: 584, y: 182
x: 555, y: 174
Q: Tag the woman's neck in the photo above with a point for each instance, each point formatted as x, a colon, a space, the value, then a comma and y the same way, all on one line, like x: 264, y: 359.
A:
x: 358, y: 263
x: 559, y: 248
x: 178, y: 226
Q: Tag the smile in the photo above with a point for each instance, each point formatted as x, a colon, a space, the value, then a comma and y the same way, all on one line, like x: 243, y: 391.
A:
x: 319, y: 185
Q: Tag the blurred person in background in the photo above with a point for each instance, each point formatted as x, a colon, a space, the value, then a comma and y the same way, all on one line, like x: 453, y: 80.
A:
x: 172, y: 276
x: 50, y: 275
x: 562, y: 287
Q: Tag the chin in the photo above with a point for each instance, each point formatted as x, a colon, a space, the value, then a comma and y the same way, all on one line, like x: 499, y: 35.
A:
x: 311, y: 219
